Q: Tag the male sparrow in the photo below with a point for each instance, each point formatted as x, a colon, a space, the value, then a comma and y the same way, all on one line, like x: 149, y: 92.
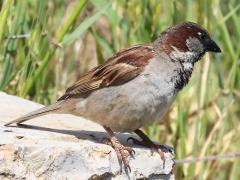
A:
x: 136, y: 86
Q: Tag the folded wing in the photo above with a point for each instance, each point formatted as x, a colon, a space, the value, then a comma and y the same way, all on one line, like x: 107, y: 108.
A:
x: 122, y: 67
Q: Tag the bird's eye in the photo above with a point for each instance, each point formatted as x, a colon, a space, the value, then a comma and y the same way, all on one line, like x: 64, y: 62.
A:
x: 202, y: 35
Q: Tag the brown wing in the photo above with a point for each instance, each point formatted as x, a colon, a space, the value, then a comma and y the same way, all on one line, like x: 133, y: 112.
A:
x: 117, y: 70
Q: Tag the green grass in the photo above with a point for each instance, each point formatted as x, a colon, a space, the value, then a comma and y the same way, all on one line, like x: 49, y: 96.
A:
x: 46, y: 45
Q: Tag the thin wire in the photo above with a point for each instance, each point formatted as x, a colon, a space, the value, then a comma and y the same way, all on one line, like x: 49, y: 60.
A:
x: 208, y: 158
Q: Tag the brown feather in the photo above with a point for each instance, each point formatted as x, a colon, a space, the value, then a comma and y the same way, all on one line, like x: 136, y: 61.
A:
x: 124, y: 66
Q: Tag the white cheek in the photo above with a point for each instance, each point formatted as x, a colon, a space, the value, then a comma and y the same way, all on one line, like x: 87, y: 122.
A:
x: 194, y: 45
x: 177, y: 55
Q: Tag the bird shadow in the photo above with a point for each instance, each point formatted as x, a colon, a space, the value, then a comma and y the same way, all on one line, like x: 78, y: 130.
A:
x: 94, y: 136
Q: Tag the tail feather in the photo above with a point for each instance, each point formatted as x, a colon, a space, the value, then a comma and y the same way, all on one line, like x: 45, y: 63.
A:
x: 40, y: 112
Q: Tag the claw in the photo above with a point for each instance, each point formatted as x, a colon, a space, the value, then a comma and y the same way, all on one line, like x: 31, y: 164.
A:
x: 157, y: 149
x: 122, y: 151
x: 146, y: 142
x: 130, y: 150
x: 128, y: 168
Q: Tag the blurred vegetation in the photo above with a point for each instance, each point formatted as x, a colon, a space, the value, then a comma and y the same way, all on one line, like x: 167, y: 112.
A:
x: 47, y: 45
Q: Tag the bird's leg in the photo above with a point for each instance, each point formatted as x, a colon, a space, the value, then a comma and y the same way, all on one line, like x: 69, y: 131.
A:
x: 122, y: 151
x: 146, y: 142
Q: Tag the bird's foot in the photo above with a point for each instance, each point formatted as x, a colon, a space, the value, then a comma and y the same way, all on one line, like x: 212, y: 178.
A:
x: 146, y: 142
x: 159, y: 148
x: 122, y: 151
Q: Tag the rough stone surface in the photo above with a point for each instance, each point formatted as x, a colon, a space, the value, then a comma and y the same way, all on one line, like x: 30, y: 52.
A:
x: 66, y: 147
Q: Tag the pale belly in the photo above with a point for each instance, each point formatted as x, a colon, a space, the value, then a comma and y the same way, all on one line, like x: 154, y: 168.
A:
x: 130, y: 106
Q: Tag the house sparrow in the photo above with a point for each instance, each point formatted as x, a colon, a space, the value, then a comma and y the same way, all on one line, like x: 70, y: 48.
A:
x: 136, y: 86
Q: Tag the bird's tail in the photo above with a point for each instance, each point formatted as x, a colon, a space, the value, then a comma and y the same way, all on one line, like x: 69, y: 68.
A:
x: 54, y: 108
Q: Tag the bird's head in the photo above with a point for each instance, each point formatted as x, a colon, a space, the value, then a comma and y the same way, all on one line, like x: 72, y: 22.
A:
x: 186, y: 42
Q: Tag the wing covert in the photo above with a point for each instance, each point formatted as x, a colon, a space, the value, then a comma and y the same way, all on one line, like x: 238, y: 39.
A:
x: 118, y: 69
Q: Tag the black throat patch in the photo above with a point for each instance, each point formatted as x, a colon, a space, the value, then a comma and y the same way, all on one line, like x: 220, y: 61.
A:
x: 182, y: 76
